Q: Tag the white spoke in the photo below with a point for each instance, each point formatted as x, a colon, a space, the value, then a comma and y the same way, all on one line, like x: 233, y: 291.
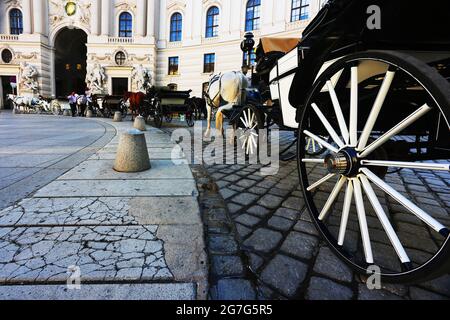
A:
x: 247, y: 124
x: 362, y: 221
x: 328, y: 126
x: 321, y: 141
x: 318, y: 183
x: 379, y: 101
x: 398, y: 128
x: 422, y: 215
x: 332, y: 198
x: 354, y: 107
x: 345, y: 212
x: 251, y: 117
x: 384, y: 220
x: 321, y: 161
x: 409, y: 165
x: 338, y: 111
x: 309, y: 143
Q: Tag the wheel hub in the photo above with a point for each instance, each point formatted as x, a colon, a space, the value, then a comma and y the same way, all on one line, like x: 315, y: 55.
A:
x: 345, y: 162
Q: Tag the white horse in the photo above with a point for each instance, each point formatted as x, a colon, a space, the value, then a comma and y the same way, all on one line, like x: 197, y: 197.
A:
x: 224, y: 91
x: 28, y: 103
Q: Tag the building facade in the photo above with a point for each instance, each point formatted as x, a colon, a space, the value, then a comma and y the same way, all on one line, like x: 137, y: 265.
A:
x: 55, y: 47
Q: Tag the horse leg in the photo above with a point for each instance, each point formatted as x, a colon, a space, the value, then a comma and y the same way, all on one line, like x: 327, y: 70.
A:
x: 208, y: 121
x: 219, y: 123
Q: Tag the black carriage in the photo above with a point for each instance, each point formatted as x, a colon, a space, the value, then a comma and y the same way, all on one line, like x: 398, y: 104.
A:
x: 370, y: 87
x: 110, y: 104
x: 168, y: 104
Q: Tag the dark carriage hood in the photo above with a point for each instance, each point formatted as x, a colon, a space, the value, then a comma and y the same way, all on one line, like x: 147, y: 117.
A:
x: 405, y: 25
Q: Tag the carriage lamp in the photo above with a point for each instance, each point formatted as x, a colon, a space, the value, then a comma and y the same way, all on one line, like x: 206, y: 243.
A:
x: 247, y: 46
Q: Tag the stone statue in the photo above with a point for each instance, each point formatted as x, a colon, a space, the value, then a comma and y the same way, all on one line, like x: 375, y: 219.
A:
x: 29, y: 77
x: 95, y: 78
x: 142, y: 78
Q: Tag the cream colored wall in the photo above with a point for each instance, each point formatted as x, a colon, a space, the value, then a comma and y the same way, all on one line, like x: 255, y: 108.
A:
x: 149, y: 46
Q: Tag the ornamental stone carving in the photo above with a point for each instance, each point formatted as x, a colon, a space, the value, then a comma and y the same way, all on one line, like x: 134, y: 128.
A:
x: 29, y: 77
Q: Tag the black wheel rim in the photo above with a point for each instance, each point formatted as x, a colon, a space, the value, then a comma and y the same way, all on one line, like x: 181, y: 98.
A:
x: 364, y: 227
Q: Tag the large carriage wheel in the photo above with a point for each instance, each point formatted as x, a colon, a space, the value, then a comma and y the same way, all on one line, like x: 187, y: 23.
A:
x: 158, y: 117
x: 366, y: 215
x: 248, y: 129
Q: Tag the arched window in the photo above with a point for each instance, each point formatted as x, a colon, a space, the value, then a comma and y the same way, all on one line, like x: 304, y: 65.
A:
x: 125, y: 25
x: 300, y: 10
x: 212, y: 22
x: 253, y: 15
x: 16, y: 21
x: 176, y: 27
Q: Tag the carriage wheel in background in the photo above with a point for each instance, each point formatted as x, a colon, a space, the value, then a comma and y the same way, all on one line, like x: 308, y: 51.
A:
x: 365, y: 217
x: 158, y: 117
x: 249, y: 124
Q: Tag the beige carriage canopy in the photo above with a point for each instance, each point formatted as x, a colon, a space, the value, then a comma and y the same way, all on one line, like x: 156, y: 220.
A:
x: 278, y: 44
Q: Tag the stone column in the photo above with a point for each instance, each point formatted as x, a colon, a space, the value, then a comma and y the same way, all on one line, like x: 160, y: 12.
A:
x: 151, y: 18
x: 140, y: 19
x: 162, y: 20
x: 106, y: 17
x: 95, y: 17
x: 38, y: 16
x: 26, y: 14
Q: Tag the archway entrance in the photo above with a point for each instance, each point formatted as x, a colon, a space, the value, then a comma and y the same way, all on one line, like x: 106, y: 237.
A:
x: 70, y: 62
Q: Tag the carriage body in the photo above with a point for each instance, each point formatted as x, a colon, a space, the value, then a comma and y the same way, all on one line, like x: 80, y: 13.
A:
x: 166, y: 104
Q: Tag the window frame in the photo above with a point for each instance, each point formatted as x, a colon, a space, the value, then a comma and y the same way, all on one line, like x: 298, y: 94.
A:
x: 176, y: 34
x: 172, y: 71
x: 127, y: 32
x: 15, y: 21
x: 209, y: 65
x: 300, y: 11
x: 253, y: 21
x: 212, y: 15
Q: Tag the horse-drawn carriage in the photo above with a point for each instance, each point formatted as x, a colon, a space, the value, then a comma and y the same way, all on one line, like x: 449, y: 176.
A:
x: 375, y: 96
x: 168, y: 104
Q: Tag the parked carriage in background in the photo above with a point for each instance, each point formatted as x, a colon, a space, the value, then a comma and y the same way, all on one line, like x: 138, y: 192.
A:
x: 168, y: 104
x: 110, y: 104
x: 377, y: 101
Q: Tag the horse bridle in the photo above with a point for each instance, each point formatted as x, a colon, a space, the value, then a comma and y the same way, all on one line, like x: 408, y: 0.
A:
x: 207, y: 96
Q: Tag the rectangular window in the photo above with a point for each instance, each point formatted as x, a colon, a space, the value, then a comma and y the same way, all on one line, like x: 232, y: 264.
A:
x: 300, y: 10
x: 173, y: 65
x: 209, y: 63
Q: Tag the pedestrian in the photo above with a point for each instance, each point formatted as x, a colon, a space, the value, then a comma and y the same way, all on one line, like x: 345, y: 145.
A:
x: 73, y: 103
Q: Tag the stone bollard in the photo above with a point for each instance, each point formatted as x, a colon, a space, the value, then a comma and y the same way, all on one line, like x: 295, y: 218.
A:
x: 67, y: 113
x: 117, y: 116
x: 132, y: 154
x: 89, y: 114
x: 139, y: 123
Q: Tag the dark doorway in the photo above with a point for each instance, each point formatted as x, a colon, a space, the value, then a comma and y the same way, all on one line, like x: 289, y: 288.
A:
x: 7, y: 89
x: 70, y: 62
x: 119, y: 86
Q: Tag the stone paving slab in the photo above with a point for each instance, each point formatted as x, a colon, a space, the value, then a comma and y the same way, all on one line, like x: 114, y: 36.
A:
x: 103, y: 253
x: 103, y: 170
x: 68, y: 211
x: 118, y: 188
x: 130, y: 292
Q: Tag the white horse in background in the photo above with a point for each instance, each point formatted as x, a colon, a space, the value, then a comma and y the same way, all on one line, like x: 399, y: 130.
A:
x: 25, y: 104
x: 224, y: 91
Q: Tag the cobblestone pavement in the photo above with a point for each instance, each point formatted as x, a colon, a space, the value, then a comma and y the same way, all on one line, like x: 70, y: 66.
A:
x: 262, y: 243
x: 123, y: 231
